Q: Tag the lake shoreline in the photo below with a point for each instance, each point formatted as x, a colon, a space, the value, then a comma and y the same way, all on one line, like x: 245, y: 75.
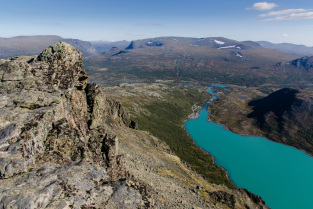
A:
x: 276, y: 163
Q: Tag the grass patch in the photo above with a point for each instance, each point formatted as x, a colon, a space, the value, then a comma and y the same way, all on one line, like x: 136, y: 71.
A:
x: 166, y: 120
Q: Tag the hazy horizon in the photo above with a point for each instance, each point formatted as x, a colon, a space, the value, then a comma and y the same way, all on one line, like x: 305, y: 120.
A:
x: 148, y: 38
x: 274, y: 21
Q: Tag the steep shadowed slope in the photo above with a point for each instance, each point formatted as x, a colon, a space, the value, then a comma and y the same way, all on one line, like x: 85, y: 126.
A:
x: 286, y: 117
x: 303, y: 63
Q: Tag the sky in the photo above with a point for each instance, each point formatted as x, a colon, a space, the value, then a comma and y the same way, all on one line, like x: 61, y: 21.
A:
x: 276, y: 21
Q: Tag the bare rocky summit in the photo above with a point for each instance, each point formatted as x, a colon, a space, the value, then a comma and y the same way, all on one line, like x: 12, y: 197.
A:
x: 64, y: 144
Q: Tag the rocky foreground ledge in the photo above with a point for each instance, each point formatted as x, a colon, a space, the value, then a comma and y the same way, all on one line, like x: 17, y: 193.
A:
x: 64, y: 144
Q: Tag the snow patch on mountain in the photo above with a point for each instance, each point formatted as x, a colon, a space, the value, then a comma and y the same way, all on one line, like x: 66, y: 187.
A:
x: 239, y: 55
x: 230, y: 47
x: 227, y: 47
x: 219, y: 42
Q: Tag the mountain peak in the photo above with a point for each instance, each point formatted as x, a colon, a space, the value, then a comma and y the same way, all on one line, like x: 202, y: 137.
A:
x: 60, y: 50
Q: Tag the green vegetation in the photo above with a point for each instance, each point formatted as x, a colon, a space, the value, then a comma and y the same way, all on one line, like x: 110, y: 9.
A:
x: 248, y: 78
x: 305, y: 134
x: 164, y: 118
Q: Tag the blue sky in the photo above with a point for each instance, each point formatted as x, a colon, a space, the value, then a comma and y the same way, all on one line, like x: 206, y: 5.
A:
x: 112, y: 20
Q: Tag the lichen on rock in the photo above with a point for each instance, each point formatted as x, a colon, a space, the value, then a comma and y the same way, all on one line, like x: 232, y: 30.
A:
x: 44, y: 132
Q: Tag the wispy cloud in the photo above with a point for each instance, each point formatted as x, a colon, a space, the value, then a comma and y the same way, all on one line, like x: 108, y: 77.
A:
x: 263, y: 6
x: 289, y: 14
x: 286, y: 35
x: 148, y: 24
x: 283, y: 12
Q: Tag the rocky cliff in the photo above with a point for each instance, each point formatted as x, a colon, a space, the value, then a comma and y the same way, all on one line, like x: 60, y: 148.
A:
x: 64, y: 144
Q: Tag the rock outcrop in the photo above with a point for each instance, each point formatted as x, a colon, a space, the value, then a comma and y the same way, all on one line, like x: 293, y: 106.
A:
x: 53, y: 152
x: 64, y: 144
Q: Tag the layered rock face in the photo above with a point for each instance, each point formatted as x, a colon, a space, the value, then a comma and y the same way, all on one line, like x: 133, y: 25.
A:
x: 64, y: 144
x: 51, y: 145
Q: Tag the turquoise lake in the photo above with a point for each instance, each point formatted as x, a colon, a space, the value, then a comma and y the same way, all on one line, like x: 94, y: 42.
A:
x: 281, y: 175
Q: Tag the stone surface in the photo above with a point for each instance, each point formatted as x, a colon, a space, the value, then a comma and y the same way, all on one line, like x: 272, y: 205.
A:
x: 64, y: 144
x: 49, y: 155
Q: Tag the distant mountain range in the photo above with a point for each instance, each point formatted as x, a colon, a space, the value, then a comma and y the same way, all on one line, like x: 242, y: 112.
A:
x: 103, y: 46
x: 288, y: 48
x: 197, y: 60
x: 191, y: 60
x: 31, y: 45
